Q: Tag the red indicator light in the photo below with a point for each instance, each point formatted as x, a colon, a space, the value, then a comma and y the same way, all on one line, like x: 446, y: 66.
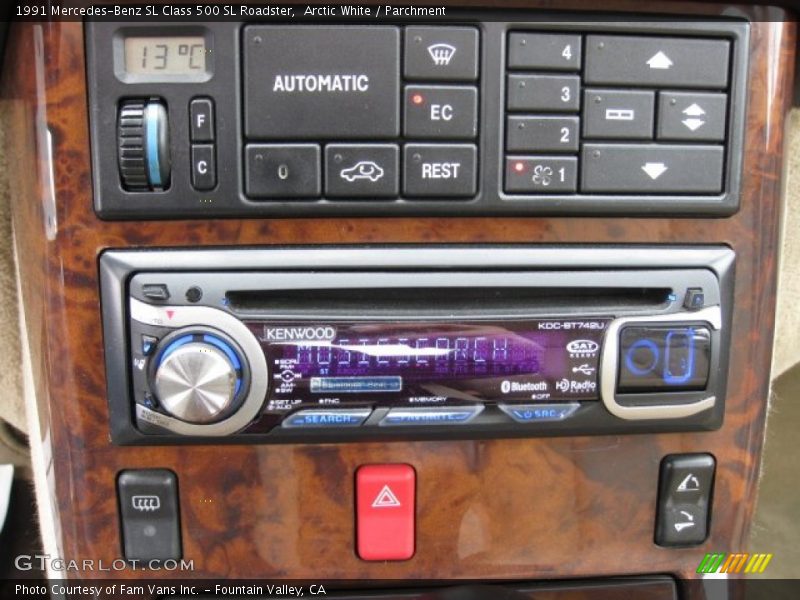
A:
x: 417, y: 99
x: 519, y: 167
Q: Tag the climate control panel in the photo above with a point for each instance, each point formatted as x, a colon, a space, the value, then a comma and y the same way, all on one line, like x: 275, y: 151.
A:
x: 473, y: 116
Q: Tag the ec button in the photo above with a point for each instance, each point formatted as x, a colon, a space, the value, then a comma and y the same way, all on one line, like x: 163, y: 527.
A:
x: 441, y: 112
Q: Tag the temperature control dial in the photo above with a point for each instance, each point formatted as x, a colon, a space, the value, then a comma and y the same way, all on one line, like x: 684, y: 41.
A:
x: 199, y: 377
x: 143, y: 145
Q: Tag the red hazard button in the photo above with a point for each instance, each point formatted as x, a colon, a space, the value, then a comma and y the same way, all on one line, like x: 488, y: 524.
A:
x: 385, y: 512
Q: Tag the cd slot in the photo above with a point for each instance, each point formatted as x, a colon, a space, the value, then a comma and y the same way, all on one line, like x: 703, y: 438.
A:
x: 435, y: 300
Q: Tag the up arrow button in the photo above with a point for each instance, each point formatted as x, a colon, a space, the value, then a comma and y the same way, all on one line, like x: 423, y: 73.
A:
x: 668, y: 62
x: 659, y: 61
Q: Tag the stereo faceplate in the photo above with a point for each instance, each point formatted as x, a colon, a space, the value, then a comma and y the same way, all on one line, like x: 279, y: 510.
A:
x: 351, y: 344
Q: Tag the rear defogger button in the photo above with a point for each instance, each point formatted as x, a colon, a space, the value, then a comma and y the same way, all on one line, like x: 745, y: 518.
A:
x: 318, y: 82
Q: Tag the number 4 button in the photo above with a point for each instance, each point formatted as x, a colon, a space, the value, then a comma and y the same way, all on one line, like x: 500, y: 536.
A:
x: 544, y: 51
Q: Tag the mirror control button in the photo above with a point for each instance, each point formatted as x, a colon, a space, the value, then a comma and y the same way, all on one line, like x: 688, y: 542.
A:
x: 684, y: 499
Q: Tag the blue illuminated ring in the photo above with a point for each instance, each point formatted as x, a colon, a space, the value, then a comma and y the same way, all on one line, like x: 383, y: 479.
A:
x: 215, y: 341
x: 152, y: 126
x: 644, y: 343
x: 669, y: 378
x: 174, y: 345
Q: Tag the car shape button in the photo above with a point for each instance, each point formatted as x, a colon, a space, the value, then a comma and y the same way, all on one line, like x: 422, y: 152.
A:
x: 361, y: 170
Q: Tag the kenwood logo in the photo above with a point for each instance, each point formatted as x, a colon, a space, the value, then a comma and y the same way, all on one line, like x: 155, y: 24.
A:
x: 298, y: 334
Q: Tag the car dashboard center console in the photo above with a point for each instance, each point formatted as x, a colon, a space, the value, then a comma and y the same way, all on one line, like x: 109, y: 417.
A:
x: 485, y: 296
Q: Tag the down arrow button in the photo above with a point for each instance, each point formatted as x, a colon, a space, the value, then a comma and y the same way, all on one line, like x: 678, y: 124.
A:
x: 651, y: 168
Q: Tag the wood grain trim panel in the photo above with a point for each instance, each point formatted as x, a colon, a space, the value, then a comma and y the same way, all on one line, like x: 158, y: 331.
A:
x: 521, y: 509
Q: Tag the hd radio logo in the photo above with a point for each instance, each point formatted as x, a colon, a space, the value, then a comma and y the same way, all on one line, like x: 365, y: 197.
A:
x: 721, y: 562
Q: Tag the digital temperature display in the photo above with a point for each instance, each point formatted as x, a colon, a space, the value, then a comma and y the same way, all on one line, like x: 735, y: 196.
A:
x: 165, y: 55
x: 428, y: 363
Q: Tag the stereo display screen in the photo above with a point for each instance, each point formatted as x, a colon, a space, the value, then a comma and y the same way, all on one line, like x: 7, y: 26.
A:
x: 430, y: 363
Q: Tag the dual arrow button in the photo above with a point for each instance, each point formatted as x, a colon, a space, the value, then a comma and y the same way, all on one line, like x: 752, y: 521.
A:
x: 695, y: 116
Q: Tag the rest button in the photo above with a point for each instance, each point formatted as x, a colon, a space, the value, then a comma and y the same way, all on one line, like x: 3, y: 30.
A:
x: 440, y: 170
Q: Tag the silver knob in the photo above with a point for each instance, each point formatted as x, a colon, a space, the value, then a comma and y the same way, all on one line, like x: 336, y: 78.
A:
x: 196, y: 383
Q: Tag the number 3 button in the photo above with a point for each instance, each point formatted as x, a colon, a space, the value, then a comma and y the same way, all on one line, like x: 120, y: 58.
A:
x: 541, y: 174
x: 546, y: 93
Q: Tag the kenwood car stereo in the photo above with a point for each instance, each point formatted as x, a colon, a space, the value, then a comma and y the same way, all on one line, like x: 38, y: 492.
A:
x: 288, y: 345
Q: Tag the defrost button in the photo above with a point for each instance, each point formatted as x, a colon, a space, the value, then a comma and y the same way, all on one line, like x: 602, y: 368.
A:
x: 441, y: 53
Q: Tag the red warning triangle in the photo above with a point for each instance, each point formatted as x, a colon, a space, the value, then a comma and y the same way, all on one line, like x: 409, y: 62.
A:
x: 385, y: 498
x: 170, y: 313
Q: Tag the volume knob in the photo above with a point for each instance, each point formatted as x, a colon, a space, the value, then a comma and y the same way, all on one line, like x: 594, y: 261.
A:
x: 198, y: 379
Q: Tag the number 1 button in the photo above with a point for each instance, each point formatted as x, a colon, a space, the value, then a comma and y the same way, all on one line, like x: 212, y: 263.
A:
x: 541, y: 174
